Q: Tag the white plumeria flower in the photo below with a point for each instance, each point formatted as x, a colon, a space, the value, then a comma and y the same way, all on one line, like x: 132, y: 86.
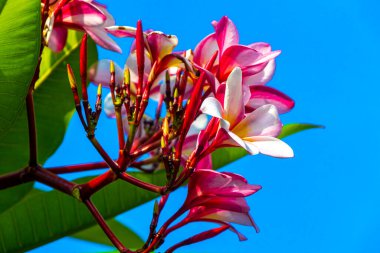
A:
x: 255, y: 131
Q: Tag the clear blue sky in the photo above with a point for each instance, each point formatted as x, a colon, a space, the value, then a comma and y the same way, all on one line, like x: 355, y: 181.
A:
x: 327, y: 198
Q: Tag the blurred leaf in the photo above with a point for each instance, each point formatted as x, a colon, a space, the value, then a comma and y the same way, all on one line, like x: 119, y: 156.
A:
x: 124, y: 234
x: 19, y: 50
x: 46, y: 216
x: 224, y: 156
x: 294, y: 128
x: 54, y: 107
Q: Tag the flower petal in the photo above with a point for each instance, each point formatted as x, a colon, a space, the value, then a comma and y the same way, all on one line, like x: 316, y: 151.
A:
x: 226, y: 34
x: 100, y: 36
x: 132, y: 65
x: 263, y: 121
x: 270, y: 146
x: 233, y: 140
x: 262, y: 77
x: 205, y: 50
x: 211, y: 106
x: 233, y: 98
x: 80, y: 13
x: 238, y: 56
x: 261, y: 95
x: 122, y: 31
x: 161, y: 44
x: 99, y: 72
x: 57, y: 38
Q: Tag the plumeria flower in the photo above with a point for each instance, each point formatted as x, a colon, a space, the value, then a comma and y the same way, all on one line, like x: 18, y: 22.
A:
x: 218, y: 197
x: 257, y: 62
x: 254, y: 131
x: 84, y: 15
x: 157, y: 45
x: 158, y: 49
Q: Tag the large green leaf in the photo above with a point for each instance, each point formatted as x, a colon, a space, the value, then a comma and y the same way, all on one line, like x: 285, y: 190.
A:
x: 20, y: 40
x: 224, y: 156
x: 54, y: 107
x: 125, y: 235
x: 46, y: 216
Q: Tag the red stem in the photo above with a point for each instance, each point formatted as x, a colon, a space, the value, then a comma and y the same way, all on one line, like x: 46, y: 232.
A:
x: 96, y: 184
x: 78, y: 167
x: 100, y: 220
x: 111, y: 163
x: 44, y: 176
x: 147, y: 186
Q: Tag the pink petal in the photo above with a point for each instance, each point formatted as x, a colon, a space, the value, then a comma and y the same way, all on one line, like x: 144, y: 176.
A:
x: 235, y: 204
x: 80, y: 13
x: 226, y: 34
x: 58, y: 37
x: 161, y: 44
x: 205, y: 50
x: 99, y: 72
x: 222, y: 90
x: 262, y: 77
x: 271, y: 146
x: 132, y: 65
x: 205, y: 163
x: 263, y: 121
x: 262, y: 95
x: 262, y: 47
x: 231, y: 217
x: 100, y: 36
x: 174, y: 60
x: 238, y: 56
x: 211, y: 106
x: 199, y: 124
x: 122, y: 31
x: 233, y: 98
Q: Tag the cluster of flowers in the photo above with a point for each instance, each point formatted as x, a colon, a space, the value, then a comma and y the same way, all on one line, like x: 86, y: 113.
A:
x: 215, y: 96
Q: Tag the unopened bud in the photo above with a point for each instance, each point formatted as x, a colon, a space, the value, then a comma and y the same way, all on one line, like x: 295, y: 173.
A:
x: 71, y: 76
x: 112, y: 67
x: 127, y: 77
x: 165, y: 127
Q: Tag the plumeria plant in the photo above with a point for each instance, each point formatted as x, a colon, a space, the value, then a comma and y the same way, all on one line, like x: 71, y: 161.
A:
x: 210, y: 100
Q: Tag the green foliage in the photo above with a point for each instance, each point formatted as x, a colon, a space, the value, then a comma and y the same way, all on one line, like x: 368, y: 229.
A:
x: 125, y: 235
x: 46, y: 216
x: 293, y: 128
x: 19, y: 50
x: 54, y: 107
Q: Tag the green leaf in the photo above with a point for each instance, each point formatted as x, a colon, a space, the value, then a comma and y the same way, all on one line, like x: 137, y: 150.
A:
x: 19, y: 50
x: 293, y: 128
x: 54, y: 107
x: 20, y: 40
x: 124, y: 234
x: 224, y: 156
x: 44, y: 217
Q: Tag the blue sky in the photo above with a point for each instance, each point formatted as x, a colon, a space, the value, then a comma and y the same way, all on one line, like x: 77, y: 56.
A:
x: 326, y: 199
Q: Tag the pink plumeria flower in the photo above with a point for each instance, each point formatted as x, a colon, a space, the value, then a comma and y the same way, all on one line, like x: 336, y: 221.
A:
x: 257, y: 62
x: 254, y: 131
x: 157, y: 45
x: 158, y: 49
x: 84, y: 15
x: 218, y: 197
